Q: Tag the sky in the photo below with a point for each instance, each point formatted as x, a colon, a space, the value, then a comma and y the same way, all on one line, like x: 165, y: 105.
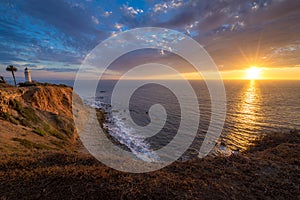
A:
x: 53, y: 37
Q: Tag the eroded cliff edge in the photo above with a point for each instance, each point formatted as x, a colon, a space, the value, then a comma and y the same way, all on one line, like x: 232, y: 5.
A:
x: 36, y: 118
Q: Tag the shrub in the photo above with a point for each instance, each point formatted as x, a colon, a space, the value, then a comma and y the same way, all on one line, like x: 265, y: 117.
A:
x: 40, y: 132
x: 8, y: 117
x: 57, y: 134
x: 15, y: 104
x: 52, y: 131
x: 31, y: 145
x: 4, y: 116
x: 30, y: 116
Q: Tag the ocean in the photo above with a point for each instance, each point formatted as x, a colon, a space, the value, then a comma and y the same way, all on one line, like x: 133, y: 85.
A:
x: 254, y: 108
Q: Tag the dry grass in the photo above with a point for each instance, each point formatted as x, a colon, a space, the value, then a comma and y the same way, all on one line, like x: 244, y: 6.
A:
x: 268, y: 171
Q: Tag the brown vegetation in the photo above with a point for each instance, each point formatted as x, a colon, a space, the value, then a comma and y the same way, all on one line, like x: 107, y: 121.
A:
x: 265, y: 172
x: 40, y: 159
x: 38, y: 115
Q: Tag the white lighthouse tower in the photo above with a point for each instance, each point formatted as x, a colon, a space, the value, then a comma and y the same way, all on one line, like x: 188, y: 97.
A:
x: 27, y: 75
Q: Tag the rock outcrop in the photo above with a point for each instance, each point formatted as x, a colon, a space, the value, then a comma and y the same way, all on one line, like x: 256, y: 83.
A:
x: 36, y: 117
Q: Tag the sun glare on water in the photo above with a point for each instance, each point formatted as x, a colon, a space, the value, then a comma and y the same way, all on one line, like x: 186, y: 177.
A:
x: 253, y: 73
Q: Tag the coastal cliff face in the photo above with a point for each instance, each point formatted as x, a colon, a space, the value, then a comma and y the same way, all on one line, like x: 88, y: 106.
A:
x: 36, y: 118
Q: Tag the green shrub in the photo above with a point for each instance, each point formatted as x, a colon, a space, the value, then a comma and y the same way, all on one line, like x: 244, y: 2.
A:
x: 30, y: 116
x: 40, y: 132
x: 4, y: 116
x: 8, y: 117
x: 15, y: 104
x: 57, y: 134
x: 46, y: 126
x: 60, y: 145
x: 13, y: 120
x: 31, y: 145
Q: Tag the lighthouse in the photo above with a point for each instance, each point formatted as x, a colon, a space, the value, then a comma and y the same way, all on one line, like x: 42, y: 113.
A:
x: 27, y: 75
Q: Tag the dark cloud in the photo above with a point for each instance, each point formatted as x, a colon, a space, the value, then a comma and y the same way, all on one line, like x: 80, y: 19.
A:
x: 46, y: 30
x: 271, y: 28
x: 238, y: 33
x: 30, y: 65
x: 58, y: 69
x: 234, y: 32
x: 70, y: 19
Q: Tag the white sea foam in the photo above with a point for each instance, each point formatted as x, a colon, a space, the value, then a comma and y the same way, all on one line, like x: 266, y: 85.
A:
x: 123, y: 133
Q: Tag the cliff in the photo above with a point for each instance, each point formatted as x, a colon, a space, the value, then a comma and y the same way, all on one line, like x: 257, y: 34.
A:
x: 36, y: 118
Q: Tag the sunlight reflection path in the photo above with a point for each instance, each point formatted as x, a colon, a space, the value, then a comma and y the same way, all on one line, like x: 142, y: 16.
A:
x: 249, y: 114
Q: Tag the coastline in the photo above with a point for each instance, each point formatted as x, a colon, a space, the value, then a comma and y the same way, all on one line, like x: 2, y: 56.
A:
x: 269, y: 169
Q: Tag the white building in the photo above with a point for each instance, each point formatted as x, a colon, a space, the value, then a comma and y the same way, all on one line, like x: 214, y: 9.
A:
x: 27, y: 75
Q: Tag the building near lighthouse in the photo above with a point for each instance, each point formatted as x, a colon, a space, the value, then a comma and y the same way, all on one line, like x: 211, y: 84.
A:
x: 27, y: 75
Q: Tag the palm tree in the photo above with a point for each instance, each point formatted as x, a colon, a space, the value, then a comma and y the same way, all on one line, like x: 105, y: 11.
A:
x: 12, y: 69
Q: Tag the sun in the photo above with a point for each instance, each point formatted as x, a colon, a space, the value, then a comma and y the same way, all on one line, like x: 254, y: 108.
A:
x: 253, y: 73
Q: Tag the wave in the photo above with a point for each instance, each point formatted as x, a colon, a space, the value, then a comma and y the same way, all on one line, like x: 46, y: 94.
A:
x: 122, y: 133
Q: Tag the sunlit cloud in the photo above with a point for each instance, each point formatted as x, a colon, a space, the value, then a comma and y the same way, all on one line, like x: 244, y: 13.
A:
x: 160, y: 7
x: 130, y: 11
x: 107, y: 13
x: 191, y: 27
x: 285, y: 49
x: 165, y: 6
x: 119, y: 26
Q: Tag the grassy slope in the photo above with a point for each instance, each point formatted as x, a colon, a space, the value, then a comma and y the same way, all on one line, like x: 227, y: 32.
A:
x: 268, y: 171
x: 36, y: 118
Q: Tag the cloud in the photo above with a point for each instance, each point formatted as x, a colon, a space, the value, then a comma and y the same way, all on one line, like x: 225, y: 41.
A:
x: 57, y: 69
x: 130, y: 11
x: 228, y: 27
x: 70, y: 19
x: 32, y: 66
x: 165, y: 6
x: 95, y: 20
x: 285, y: 49
x: 65, y: 31
x: 119, y: 26
x: 50, y: 30
x: 162, y: 7
x: 107, y: 13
